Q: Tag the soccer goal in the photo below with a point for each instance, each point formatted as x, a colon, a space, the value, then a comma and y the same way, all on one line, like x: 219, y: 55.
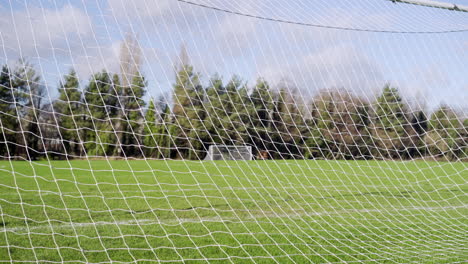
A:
x: 229, y: 152
x: 233, y: 131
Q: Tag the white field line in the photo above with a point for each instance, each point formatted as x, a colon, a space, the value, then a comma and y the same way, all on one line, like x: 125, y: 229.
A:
x: 87, y: 192
x: 221, y: 219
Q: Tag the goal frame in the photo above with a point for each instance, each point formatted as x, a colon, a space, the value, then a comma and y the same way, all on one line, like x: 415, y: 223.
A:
x: 228, y: 155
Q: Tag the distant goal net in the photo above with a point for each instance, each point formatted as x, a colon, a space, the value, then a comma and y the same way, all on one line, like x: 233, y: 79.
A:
x: 229, y: 152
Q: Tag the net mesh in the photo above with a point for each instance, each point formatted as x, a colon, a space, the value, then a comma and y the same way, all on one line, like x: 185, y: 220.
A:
x: 338, y: 131
x: 226, y: 152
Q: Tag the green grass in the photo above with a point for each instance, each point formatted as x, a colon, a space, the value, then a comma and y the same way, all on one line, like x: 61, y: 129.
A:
x: 244, y: 212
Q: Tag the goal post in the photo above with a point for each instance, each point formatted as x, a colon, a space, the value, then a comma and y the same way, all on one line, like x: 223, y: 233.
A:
x: 229, y: 152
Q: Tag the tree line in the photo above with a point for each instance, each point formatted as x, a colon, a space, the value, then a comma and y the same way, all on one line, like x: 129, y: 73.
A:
x: 108, y: 117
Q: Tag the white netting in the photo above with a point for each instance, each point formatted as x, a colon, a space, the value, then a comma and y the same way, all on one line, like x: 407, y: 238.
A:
x: 229, y: 152
x: 336, y: 131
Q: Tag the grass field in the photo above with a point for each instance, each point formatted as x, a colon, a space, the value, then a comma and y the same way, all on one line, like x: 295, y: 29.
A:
x: 243, y: 212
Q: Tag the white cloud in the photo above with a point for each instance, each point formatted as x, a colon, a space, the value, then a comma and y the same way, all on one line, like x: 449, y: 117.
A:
x: 149, y: 15
x: 235, y: 33
x: 340, y: 66
x: 431, y: 86
x: 37, y: 32
x: 96, y: 59
x: 315, y: 58
x: 142, y: 8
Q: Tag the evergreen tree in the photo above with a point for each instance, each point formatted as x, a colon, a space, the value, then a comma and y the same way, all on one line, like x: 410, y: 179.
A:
x: 70, y: 113
x: 260, y: 111
x: 158, y: 130
x: 391, y: 128
x: 444, y: 138
x: 188, y: 111
x: 129, y: 119
x: 29, y: 93
x: 287, y: 121
x: 150, y: 131
x: 319, y: 141
x: 236, y: 104
x: 9, y: 120
x: 99, y: 96
x: 187, y: 91
x: 462, y: 143
x: 166, y: 130
x: 340, y: 127
x: 419, y: 124
x: 215, y: 112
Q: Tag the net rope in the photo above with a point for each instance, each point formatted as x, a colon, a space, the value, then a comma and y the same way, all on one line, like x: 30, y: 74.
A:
x: 354, y: 111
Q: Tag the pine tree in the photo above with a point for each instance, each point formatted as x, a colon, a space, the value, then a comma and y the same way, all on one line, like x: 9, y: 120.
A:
x: 29, y: 93
x: 391, y: 127
x: 99, y: 96
x: 158, y: 130
x: 261, y: 110
x: 6, y: 91
x: 215, y: 114
x: 319, y: 142
x: 236, y: 104
x: 8, y: 122
x: 187, y: 91
x: 444, y: 138
x: 70, y: 112
x: 129, y: 119
x: 287, y: 121
x: 188, y: 111
x: 150, y: 131
x: 462, y: 144
x: 167, y: 132
x: 419, y: 124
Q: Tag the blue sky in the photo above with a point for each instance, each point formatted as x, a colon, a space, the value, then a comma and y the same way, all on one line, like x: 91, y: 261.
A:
x: 86, y: 35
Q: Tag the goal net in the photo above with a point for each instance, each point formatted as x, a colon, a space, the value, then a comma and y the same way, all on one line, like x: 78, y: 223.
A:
x: 337, y: 131
x: 226, y: 152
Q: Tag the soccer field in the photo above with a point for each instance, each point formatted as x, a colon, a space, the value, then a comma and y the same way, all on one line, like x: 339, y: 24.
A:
x: 238, y: 211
